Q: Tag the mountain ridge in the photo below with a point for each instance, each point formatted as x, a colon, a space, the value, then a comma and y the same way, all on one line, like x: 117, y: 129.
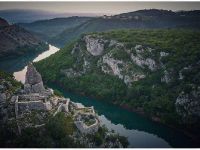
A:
x: 17, y: 41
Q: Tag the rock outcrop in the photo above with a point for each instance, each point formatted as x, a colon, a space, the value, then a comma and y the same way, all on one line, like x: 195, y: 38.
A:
x: 94, y: 45
x: 188, y: 106
x: 118, y: 68
x: 141, y: 60
x: 33, y: 81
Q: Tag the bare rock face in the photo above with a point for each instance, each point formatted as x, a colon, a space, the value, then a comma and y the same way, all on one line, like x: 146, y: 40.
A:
x: 33, y: 81
x: 94, y: 45
x: 188, y: 106
x: 32, y: 76
x: 140, y: 60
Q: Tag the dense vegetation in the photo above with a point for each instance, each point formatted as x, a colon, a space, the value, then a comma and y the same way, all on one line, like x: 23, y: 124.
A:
x: 56, y: 133
x: 151, y: 95
x: 10, y: 79
x: 16, y: 41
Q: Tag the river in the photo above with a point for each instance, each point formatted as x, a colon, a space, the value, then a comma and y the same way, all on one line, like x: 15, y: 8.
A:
x: 141, y: 132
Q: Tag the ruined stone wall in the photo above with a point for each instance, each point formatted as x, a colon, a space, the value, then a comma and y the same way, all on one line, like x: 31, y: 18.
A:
x: 87, y: 129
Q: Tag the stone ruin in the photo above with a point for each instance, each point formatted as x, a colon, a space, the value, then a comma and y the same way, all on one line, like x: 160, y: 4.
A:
x: 34, y: 96
x: 33, y: 81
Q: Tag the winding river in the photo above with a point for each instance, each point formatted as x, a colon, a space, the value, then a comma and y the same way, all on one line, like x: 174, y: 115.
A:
x: 141, y: 132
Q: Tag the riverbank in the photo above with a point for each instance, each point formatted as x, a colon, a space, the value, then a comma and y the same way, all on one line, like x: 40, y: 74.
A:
x: 141, y: 112
x: 191, y: 135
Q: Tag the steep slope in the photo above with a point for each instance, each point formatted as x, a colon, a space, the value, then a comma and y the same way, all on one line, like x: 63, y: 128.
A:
x: 145, y: 19
x: 3, y: 23
x: 153, y: 71
x: 17, y: 41
x: 49, y: 28
x: 34, y: 116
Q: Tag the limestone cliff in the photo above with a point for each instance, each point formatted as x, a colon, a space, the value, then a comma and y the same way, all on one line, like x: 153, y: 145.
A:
x: 35, y: 108
x: 188, y: 106
x: 129, y: 69
x: 33, y: 80
x: 94, y: 45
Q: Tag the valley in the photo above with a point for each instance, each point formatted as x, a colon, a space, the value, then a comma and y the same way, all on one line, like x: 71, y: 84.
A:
x: 122, y: 121
x: 139, y: 71
x: 60, y: 35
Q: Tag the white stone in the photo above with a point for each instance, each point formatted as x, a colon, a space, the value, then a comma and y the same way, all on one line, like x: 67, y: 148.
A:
x: 163, y: 54
x: 94, y: 45
x: 150, y: 63
x: 113, y: 64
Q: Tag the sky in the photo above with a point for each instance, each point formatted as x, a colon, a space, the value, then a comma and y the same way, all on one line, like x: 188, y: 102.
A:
x: 99, y: 7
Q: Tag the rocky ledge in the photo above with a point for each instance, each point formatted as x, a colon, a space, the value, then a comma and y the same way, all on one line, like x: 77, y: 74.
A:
x: 33, y: 105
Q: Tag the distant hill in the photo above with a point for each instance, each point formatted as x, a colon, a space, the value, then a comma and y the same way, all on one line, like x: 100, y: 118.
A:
x: 16, y: 16
x: 16, y: 40
x: 60, y: 31
x: 142, y: 19
x: 52, y: 27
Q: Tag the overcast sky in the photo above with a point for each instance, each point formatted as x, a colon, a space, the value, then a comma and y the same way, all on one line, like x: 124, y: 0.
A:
x: 99, y: 7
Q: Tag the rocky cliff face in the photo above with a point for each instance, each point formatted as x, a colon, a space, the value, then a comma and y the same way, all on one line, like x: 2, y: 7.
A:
x: 188, y: 106
x: 33, y: 81
x: 17, y: 41
x: 106, y: 53
x: 131, y: 67
x: 3, y: 23
x: 32, y: 107
x: 94, y: 45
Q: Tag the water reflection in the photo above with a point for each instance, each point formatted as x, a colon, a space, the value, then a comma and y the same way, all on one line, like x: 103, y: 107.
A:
x: 20, y: 75
x: 141, y: 132
x: 136, y: 138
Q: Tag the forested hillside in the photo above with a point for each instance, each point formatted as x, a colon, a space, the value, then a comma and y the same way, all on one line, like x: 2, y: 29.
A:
x: 47, y: 29
x: 16, y: 41
x: 151, y: 71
